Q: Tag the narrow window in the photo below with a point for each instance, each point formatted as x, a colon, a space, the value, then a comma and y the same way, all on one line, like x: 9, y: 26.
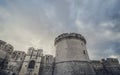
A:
x: 84, y: 52
x: 82, y: 44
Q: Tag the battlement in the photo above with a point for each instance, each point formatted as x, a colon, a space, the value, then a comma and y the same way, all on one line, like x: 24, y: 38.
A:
x: 18, y: 55
x: 2, y: 42
x: 110, y: 61
x: 48, y: 59
x: 69, y: 36
x: 35, y: 52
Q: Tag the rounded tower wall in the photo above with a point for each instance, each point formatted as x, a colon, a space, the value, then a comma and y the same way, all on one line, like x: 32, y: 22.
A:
x: 71, y: 55
x: 71, y: 47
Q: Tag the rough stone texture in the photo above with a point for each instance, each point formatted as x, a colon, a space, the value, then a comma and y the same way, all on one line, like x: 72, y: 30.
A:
x: 31, y: 64
x: 2, y: 55
x: 110, y: 66
x: 5, y: 53
x: 68, y: 36
x: 2, y: 43
x: 16, y: 61
x: 3, y: 59
x: 47, y: 65
x: 71, y: 49
x: 73, y: 68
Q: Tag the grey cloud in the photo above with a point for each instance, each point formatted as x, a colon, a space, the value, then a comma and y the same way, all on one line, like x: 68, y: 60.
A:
x: 42, y: 20
x: 107, y: 49
x: 98, y: 10
x: 91, y: 14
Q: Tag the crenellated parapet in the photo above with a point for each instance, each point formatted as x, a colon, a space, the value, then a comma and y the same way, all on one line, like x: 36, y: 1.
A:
x: 18, y: 55
x: 2, y: 43
x: 35, y: 52
x: 69, y: 36
x: 4, y: 46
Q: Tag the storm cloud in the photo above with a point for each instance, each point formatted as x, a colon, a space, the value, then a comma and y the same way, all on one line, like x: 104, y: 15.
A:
x: 25, y: 23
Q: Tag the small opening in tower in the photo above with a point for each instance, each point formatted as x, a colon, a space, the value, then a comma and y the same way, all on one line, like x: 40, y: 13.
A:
x: 84, y: 52
x: 81, y: 43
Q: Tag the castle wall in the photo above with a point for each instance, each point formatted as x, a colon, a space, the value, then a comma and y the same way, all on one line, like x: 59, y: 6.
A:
x: 73, y: 68
x: 47, y: 65
x: 32, y: 62
x: 2, y: 55
x: 16, y: 61
x: 5, y: 53
x: 24, y: 68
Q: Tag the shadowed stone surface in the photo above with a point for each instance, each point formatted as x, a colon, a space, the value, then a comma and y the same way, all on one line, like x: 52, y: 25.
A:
x: 73, y: 68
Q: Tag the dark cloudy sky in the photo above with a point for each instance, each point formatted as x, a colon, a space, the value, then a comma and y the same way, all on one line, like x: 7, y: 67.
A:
x: 26, y: 23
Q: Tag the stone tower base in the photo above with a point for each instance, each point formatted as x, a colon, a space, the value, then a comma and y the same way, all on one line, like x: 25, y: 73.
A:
x: 73, y: 68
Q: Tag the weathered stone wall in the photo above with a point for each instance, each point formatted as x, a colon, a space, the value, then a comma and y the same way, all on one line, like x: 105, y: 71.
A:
x: 110, y: 66
x: 31, y: 64
x: 47, y: 65
x: 72, y: 56
x: 71, y: 49
x: 73, y: 68
x: 16, y: 61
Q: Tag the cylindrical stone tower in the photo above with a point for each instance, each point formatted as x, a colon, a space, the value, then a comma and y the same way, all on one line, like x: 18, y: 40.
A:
x: 71, y: 47
x: 71, y: 55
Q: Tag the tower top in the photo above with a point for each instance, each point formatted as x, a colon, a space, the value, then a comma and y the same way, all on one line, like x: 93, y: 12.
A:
x: 69, y: 36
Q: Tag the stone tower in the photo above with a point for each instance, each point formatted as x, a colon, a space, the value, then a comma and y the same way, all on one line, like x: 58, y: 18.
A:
x: 31, y: 64
x: 71, y: 55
